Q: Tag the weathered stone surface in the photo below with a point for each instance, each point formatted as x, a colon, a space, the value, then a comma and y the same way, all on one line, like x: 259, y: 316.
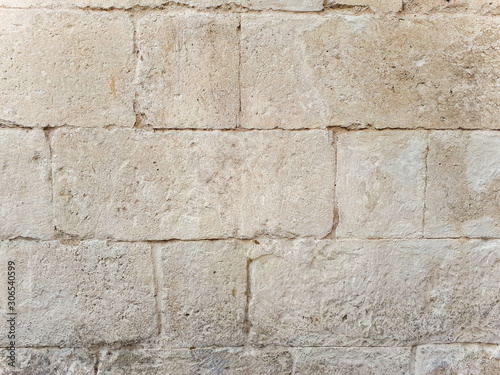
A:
x: 306, y: 71
x: 194, y: 362
x: 132, y: 184
x: 368, y: 293
x: 375, y: 5
x: 79, y: 295
x: 463, y: 183
x: 188, y: 70
x: 293, y: 5
x: 49, y: 361
x: 203, y: 292
x: 457, y: 359
x: 476, y: 6
x: 352, y: 361
x: 380, y: 183
x: 66, y: 67
x: 25, y: 189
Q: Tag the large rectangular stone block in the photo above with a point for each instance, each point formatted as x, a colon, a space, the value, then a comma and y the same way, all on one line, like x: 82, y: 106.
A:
x: 380, y: 183
x: 89, y: 293
x: 140, y: 185
x: 309, y: 71
x: 188, y: 70
x: 374, y: 293
x: 202, y: 287
x: 385, y: 6
x: 466, y: 359
x: 25, y: 186
x: 49, y: 361
x: 66, y: 68
x: 352, y: 361
x: 234, y: 361
x: 463, y: 183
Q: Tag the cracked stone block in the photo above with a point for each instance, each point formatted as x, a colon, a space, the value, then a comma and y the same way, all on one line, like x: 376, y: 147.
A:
x: 25, y: 186
x: 310, y: 71
x: 82, y: 294
x: 380, y: 183
x: 484, y: 7
x: 234, y: 361
x: 376, y: 5
x: 66, y: 68
x: 188, y: 70
x: 202, y: 288
x: 374, y: 292
x: 142, y: 185
x: 352, y: 361
x: 49, y: 361
x: 463, y: 359
x: 463, y: 183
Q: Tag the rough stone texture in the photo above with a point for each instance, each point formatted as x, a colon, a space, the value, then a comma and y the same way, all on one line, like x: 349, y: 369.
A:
x: 50, y: 362
x: 25, y: 198
x: 380, y: 183
x: 368, y: 293
x: 194, y: 362
x: 486, y: 7
x: 457, y: 360
x: 352, y: 361
x: 89, y: 293
x: 375, y: 5
x: 188, y: 70
x: 202, y: 289
x: 137, y: 185
x: 312, y: 71
x: 66, y: 67
x: 292, y: 5
x: 463, y: 184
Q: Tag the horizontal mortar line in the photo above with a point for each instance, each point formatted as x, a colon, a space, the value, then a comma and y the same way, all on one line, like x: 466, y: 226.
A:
x: 341, y: 239
x: 232, y: 8
x: 338, y: 128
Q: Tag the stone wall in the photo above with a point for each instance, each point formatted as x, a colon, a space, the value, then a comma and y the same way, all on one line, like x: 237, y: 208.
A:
x: 251, y: 186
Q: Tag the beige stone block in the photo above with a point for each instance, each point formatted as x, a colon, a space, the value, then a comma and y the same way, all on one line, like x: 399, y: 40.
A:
x: 309, y: 71
x: 188, y: 70
x: 89, y: 293
x: 376, y: 5
x: 66, y: 68
x: 234, y: 361
x: 380, y: 183
x: 105, y: 4
x: 352, y: 361
x: 49, y: 361
x: 25, y: 187
x: 486, y: 7
x: 463, y: 183
x: 374, y: 293
x: 292, y: 5
x: 463, y: 359
x: 141, y: 185
x: 202, y: 289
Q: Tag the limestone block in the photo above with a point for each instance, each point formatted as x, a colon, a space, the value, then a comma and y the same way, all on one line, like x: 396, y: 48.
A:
x: 89, y: 293
x: 105, y: 4
x: 141, y: 185
x: 49, y: 361
x: 188, y: 70
x: 374, y: 293
x: 234, y: 361
x: 202, y: 289
x: 309, y: 71
x: 380, y: 183
x: 66, y: 68
x: 463, y: 182
x: 352, y: 361
x: 376, y: 5
x: 486, y: 7
x: 25, y: 188
x: 293, y: 5
x: 463, y: 359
